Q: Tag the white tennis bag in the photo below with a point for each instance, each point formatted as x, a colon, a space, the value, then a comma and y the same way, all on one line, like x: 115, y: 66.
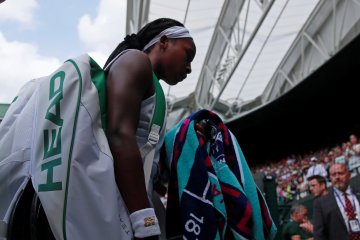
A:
x: 53, y: 134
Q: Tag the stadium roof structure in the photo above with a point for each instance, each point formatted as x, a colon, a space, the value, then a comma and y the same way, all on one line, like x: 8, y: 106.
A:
x: 249, y: 52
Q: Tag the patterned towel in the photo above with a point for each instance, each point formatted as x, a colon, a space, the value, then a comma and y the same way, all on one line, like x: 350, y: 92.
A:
x: 212, y: 194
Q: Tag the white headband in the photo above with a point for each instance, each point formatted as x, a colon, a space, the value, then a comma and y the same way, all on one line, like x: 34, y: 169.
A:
x: 171, y: 32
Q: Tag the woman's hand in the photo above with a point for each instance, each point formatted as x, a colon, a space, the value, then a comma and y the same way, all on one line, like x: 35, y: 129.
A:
x: 203, y: 129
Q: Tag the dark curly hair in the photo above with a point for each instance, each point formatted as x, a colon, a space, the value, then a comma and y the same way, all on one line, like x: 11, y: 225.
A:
x: 145, y: 35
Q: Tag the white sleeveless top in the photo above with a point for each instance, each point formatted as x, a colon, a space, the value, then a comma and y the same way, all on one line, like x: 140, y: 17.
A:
x: 143, y: 130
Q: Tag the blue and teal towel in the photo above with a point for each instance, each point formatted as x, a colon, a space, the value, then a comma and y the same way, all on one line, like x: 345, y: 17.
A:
x: 212, y: 194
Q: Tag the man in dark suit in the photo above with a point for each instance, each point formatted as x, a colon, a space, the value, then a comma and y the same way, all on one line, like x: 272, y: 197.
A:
x: 336, y: 215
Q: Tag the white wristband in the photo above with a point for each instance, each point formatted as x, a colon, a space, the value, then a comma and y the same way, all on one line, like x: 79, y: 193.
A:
x: 145, y: 223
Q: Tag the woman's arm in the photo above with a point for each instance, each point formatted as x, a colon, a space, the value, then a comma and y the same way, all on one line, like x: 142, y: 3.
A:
x: 129, y: 81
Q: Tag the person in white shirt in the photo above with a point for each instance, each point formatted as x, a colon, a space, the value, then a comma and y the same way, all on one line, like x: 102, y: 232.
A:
x: 317, y: 168
x: 352, y: 152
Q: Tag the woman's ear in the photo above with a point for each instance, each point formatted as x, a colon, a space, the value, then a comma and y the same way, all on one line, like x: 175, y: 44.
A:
x: 164, y: 42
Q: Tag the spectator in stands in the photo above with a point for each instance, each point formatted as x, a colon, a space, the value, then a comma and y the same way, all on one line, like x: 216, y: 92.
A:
x: 317, y: 168
x: 352, y: 153
x: 301, y: 187
x: 305, y: 170
x: 331, y: 156
x: 317, y: 186
x: 345, y: 146
x: 336, y: 214
x: 292, y: 229
x: 280, y: 193
x: 327, y: 163
x: 288, y: 171
x: 339, y: 156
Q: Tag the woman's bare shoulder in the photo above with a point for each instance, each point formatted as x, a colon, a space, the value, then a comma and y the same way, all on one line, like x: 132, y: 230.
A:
x: 132, y: 60
x: 131, y: 71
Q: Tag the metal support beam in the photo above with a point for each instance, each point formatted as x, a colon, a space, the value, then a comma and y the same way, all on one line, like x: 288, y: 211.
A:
x: 186, y: 12
x: 228, y: 17
x: 137, y: 15
x: 261, y: 49
x: 286, y: 77
x: 241, y: 54
x: 221, y: 30
x: 321, y: 51
x: 335, y: 20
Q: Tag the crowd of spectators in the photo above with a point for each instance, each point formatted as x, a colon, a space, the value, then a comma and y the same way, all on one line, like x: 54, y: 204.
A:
x: 291, y: 173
